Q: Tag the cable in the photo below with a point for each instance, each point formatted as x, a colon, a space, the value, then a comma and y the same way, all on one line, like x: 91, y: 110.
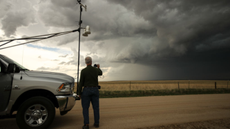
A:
x: 34, y: 38
x: 6, y: 43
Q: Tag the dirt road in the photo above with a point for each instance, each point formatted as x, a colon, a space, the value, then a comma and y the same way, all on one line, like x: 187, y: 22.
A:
x: 145, y: 112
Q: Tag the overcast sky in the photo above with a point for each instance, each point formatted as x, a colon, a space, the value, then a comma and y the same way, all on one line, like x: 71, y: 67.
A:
x: 130, y: 39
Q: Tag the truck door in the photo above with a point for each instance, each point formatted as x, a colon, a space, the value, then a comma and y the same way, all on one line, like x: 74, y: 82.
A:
x: 5, y: 86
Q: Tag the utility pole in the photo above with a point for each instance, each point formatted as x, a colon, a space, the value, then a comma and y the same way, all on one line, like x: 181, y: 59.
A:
x: 87, y: 31
x: 79, y: 40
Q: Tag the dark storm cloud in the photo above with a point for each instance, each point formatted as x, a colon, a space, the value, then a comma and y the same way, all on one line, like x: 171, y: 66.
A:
x: 170, y: 30
x: 58, y: 13
x: 4, y: 7
x: 186, y: 26
x: 192, y: 38
x: 65, y: 14
x: 175, y: 39
x: 11, y: 17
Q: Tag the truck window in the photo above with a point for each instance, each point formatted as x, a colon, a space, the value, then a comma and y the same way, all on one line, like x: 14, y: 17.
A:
x: 3, y: 66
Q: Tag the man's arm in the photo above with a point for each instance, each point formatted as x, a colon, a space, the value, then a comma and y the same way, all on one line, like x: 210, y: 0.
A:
x: 99, y: 70
x: 81, y: 83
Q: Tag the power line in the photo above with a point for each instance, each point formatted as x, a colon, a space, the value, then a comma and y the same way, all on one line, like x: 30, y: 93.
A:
x: 34, y: 38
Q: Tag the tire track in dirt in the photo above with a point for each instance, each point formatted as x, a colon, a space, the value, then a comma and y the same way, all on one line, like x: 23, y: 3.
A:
x: 147, y: 113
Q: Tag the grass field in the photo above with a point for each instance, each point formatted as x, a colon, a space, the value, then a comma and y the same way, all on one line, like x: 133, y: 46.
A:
x: 137, y: 93
x: 162, y: 85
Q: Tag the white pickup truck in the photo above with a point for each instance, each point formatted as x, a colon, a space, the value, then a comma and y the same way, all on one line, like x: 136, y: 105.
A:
x: 33, y: 95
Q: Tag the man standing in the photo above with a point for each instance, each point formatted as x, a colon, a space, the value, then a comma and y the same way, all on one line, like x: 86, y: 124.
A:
x: 89, y: 79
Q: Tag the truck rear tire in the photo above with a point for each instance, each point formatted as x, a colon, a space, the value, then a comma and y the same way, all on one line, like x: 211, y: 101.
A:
x: 35, y: 113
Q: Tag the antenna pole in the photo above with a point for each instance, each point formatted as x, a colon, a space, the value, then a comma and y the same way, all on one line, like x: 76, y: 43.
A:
x: 79, y: 40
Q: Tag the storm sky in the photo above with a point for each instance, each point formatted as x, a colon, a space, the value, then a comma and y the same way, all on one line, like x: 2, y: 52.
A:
x: 130, y: 39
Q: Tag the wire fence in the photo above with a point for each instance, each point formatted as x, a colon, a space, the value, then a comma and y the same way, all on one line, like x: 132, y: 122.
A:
x: 162, y: 85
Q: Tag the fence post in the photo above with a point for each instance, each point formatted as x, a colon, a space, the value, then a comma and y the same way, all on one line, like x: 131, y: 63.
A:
x: 188, y: 83
x: 130, y: 85
x: 227, y: 84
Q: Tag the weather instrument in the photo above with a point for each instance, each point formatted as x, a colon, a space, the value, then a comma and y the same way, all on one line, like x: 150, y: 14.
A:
x: 86, y: 31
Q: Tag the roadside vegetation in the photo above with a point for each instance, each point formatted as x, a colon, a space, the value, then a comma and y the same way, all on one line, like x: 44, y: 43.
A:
x: 113, y: 89
x: 138, y: 93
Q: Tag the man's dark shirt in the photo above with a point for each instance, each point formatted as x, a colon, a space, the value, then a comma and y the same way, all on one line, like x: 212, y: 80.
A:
x: 89, y: 77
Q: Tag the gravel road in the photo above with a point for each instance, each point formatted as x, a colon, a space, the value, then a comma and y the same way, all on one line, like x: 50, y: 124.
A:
x: 155, y: 112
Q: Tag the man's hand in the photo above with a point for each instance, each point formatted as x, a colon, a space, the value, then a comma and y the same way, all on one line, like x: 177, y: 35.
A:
x: 98, y: 65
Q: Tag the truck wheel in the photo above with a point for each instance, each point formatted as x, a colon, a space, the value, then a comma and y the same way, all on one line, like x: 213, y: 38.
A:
x: 35, y: 113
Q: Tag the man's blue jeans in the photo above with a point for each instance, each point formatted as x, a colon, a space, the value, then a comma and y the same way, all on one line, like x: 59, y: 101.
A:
x: 90, y: 94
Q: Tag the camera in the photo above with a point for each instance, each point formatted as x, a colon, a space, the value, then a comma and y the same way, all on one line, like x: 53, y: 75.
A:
x: 95, y: 65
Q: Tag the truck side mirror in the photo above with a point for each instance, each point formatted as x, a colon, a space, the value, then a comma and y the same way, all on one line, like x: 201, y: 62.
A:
x: 12, y: 68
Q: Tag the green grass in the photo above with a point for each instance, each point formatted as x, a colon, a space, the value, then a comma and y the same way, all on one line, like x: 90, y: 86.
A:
x: 115, y: 94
